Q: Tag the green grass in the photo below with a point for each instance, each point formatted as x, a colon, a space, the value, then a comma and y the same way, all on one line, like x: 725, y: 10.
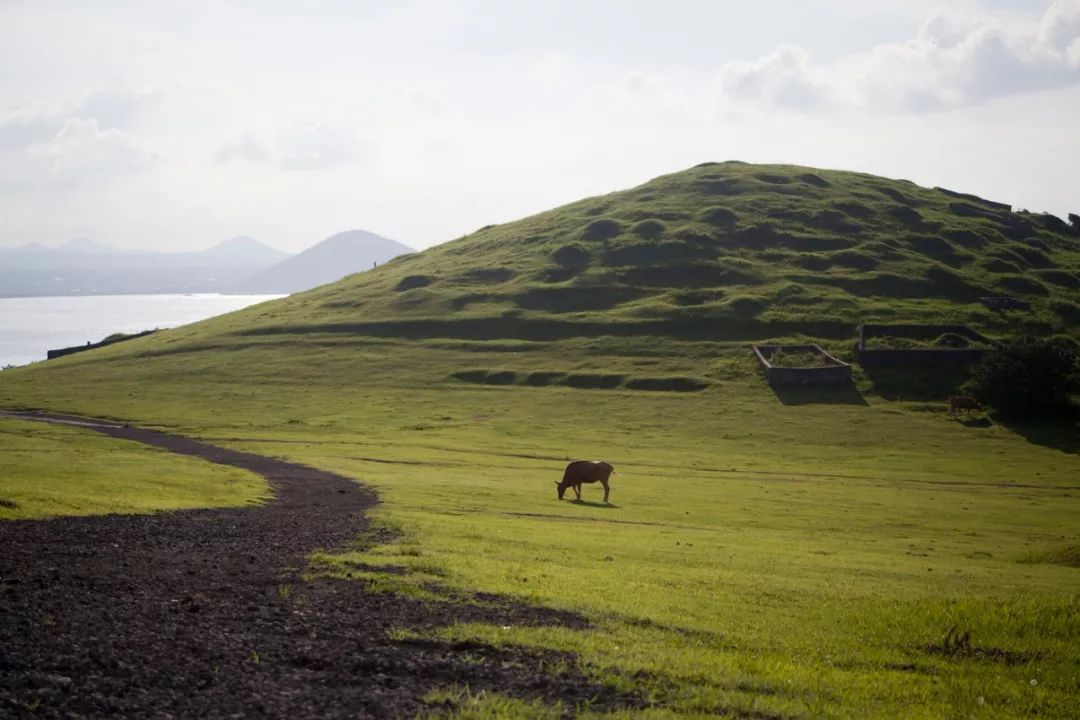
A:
x: 714, y: 249
x: 800, y: 559
x: 789, y: 553
x: 50, y: 470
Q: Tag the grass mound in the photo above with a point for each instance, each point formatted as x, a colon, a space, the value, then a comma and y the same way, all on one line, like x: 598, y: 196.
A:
x: 581, y: 381
x: 866, y: 248
x: 412, y: 282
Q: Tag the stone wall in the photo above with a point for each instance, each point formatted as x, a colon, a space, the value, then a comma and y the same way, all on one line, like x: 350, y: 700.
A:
x: 61, y: 352
x: 837, y: 371
x: 945, y: 358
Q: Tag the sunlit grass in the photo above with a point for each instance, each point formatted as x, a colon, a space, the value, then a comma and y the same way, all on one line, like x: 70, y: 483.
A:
x: 48, y: 470
x: 766, y: 553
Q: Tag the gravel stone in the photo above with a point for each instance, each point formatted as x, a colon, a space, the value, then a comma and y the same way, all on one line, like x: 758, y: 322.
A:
x: 179, y: 614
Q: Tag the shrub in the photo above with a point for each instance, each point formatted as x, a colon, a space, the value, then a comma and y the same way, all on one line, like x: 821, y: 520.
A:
x: 855, y: 209
x: 719, y: 216
x: 1053, y: 223
x: 1070, y: 312
x: 835, y: 221
x: 571, y: 256
x: 855, y: 259
x: 747, y: 306
x: 602, y: 229
x: 1027, y: 377
x: 411, y: 282
x: 1074, y: 222
x: 1022, y: 285
x: 815, y: 180
x: 952, y: 340
x: 651, y: 228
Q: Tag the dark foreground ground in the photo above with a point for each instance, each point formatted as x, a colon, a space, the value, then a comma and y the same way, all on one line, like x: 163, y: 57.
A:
x: 204, y: 614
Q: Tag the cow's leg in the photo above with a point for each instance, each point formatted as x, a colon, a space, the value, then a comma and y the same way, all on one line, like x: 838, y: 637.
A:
x: 606, y: 489
x: 577, y: 490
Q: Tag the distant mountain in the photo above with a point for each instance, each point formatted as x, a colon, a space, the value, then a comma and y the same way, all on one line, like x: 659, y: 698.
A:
x: 86, y: 267
x: 85, y: 245
x: 326, y: 262
x: 245, y: 249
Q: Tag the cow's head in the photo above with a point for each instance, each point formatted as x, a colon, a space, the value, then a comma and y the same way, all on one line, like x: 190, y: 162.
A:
x: 561, y: 487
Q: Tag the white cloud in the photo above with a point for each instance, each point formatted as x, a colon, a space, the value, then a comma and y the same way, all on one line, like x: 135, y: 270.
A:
x: 37, y: 123
x: 1059, y: 30
x: 645, y: 93
x: 952, y: 61
x: 80, y: 153
x: 28, y: 125
x: 246, y: 147
x: 784, y: 79
x: 291, y: 125
x: 317, y: 146
x: 115, y: 107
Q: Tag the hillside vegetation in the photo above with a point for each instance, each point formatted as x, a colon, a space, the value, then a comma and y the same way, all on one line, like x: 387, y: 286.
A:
x: 768, y: 553
x: 726, y: 250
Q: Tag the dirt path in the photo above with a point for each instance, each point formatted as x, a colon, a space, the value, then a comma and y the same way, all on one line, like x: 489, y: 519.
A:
x: 203, y: 614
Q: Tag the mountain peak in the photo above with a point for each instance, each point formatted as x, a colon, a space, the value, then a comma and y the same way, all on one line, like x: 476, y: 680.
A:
x: 331, y: 259
x: 86, y: 246
x: 244, y: 247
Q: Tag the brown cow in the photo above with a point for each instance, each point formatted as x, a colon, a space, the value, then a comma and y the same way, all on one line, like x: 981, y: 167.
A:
x: 963, y: 402
x: 585, y: 471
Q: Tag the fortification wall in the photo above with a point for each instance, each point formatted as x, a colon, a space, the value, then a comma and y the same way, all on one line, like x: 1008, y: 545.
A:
x: 918, y: 332
x: 920, y: 358
x: 61, y: 352
x: 945, y: 358
x: 837, y: 371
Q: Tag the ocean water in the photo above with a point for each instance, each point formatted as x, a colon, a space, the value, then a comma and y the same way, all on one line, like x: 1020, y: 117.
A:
x: 30, y: 327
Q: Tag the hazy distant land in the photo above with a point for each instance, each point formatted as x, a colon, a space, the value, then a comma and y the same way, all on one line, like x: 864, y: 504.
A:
x: 239, y: 265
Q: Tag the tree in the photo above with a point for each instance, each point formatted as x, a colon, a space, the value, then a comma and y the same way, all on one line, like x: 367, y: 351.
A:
x: 1074, y: 220
x: 1027, y: 377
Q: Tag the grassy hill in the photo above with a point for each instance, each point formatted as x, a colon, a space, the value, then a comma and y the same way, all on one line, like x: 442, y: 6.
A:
x: 768, y: 553
x: 728, y: 250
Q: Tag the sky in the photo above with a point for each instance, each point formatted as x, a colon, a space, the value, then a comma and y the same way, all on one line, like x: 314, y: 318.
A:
x: 174, y: 125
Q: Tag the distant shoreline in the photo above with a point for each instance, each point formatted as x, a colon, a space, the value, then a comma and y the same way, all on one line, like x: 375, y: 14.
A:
x: 32, y: 325
x: 179, y: 293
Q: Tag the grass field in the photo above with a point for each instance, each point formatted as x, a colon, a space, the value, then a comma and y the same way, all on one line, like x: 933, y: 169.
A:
x: 793, y: 555
x: 768, y: 554
x: 50, y: 470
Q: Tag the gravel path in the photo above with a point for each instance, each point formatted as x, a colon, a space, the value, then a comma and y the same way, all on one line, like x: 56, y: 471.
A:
x: 203, y: 614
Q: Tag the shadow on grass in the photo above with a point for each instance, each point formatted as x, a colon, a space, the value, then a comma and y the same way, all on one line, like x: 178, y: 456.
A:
x: 842, y: 394
x: 592, y: 503
x: 1061, y: 432
x: 920, y: 385
x: 976, y: 422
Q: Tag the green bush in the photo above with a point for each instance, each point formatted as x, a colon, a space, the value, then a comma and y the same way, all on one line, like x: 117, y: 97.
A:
x: 1027, y: 377
x: 650, y: 228
x: 720, y: 216
x: 602, y: 229
x: 571, y: 256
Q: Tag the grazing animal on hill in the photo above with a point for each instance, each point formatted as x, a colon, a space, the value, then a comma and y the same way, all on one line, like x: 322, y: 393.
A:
x: 584, y: 472
x: 963, y: 402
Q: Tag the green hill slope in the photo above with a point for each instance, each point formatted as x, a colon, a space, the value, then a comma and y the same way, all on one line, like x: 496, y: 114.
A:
x: 725, y: 250
x: 769, y: 552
